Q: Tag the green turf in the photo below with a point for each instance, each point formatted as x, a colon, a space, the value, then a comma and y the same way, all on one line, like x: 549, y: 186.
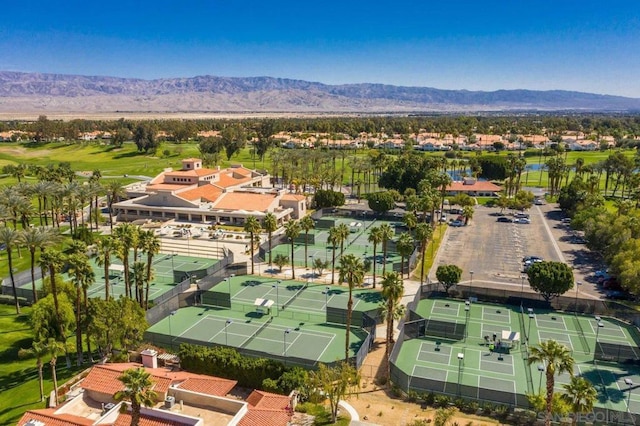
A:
x: 482, y: 369
x: 19, y: 377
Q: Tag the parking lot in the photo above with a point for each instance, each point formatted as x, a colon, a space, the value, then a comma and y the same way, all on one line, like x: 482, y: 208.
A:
x: 494, y: 250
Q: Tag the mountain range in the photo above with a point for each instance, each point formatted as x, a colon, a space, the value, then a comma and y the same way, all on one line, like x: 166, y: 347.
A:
x: 41, y: 93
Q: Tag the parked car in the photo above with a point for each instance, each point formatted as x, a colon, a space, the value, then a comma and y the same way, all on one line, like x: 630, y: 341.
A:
x: 566, y: 221
x: 618, y: 295
x: 456, y: 223
x: 443, y: 218
x: 505, y: 219
x: 524, y: 220
x: 539, y: 202
x: 531, y: 259
x: 521, y: 215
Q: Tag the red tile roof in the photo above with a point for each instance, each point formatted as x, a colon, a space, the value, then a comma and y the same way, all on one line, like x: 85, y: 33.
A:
x: 261, y: 399
x: 265, y: 417
x: 205, y: 192
x: 104, y: 378
x: 248, y: 201
x: 48, y: 417
x: 124, y: 419
x: 227, y: 180
x: 208, y: 385
x: 478, y: 186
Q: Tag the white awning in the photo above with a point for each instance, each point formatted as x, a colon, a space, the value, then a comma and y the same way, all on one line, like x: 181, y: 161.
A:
x: 116, y: 268
x: 512, y: 336
x: 263, y: 303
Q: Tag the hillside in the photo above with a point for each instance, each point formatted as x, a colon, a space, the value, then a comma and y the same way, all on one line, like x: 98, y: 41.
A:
x: 45, y: 93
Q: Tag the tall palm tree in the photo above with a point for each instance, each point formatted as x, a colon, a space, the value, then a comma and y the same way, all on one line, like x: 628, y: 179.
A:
x: 82, y: 276
x: 252, y: 227
x: 34, y: 238
x: 149, y: 244
x: 306, y: 224
x: 270, y: 226
x: 139, y: 280
x: 137, y: 390
x: 392, y: 292
x: 106, y: 247
x: 126, y: 234
x: 580, y: 395
x: 334, y: 238
x: 467, y: 213
x: 292, y: 230
x: 54, y: 348
x: 558, y: 360
x: 424, y: 232
x: 114, y: 191
x: 343, y: 235
x: 39, y: 350
x: 53, y: 260
x: 351, y: 271
x: 387, y: 233
x: 11, y: 239
x: 375, y: 237
x: 405, y: 248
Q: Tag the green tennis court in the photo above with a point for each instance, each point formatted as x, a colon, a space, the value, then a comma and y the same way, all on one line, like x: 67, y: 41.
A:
x: 467, y: 367
x: 357, y: 243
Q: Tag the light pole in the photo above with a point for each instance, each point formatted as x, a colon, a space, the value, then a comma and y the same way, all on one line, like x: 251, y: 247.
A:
x: 460, y: 360
x: 629, y: 383
x: 173, y: 271
x: 326, y: 291
x: 578, y: 284
x: 522, y: 277
x: 600, y: 325
x: 470, y: 283
x: 531, y: 316
x: 277, y: 294
x: 467, y: 308
x: 541, y: 370
x: 172, y: 313
x: 229, y: 282
x: 287, y: 331
x: 226, y: 337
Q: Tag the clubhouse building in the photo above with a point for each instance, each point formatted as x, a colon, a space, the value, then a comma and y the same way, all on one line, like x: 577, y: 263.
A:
x: 214, y: 196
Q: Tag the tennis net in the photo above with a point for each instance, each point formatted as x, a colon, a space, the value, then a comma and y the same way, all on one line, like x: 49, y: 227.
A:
x: 583, y: 339
x: 162, y: 258
x: 255, y: 333
x: 295, y: 295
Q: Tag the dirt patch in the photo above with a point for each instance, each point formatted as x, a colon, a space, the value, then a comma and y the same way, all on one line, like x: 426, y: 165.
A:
x: 377, y: 405
x: 23, y: 152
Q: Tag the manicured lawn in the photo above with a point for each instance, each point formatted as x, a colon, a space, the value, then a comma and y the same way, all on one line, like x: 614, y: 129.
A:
x: 430, y: 252
x: 19, y: 377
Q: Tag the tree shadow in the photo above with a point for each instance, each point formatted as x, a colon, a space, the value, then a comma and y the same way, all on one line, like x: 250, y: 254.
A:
x: 130, y: 154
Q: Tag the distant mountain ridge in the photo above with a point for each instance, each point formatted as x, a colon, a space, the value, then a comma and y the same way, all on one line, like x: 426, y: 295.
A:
x: 59, y: 92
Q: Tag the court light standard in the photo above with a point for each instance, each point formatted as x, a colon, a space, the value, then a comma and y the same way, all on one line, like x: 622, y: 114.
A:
x: 600, y: 325
x: 287, y: 331
x: 541, y: 370
x: 172, y: 313
x: 226, y: 337
x: 522, y: 277
x: 467, y: 308
x: 470, y: 282
x: 229, y: 282
x: 276, y: 286
x: 326, y: 291
x: 460, y: 360
x: 629, y: 383
x: 578, y: 284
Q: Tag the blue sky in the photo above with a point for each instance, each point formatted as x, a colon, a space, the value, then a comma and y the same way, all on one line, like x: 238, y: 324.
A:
x: 584, y: 45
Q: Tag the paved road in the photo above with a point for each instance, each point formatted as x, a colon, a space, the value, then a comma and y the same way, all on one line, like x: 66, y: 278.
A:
x: 494, y: 250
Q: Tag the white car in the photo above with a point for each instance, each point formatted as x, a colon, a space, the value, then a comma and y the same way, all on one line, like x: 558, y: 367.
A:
x: 524, y: 220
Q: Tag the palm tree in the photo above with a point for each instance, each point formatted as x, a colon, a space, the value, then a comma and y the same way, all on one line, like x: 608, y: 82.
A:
x: 580, y: 396
x: 150, y: 244
x: 11, y: 239
x: 106, y: 247
x: 137, y: 390
x: 387, y: 233
x: 252, y: 227
x: 127, y: 235
x: 53, y: 260
x: 270, y: 226
x: 392, y: 292
x: 424, y: 232
x: 375, y: 237
x: 343, y: 235
x: 114, y: 191
x: 467, y: 213
x: 38, y: 350
x: 54, y: 348
x: 405, y: 248
x: 351, y: 271
x: 333, y: 239
x: 292, y: 230
x: 82, y: 276
x: 558, y: 360
x: 306, y: 224
x: 34, y: 238
x: 139, y: 280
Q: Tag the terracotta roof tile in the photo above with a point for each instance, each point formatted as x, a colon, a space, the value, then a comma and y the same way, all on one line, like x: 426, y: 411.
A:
x: 205, y: 192
x: 104, y: 378
x: 124, y: 419
x: 50, y: 419
x: 168, y: 186
x: 483, y: 186
x: 261, y: 399
x: 227, y: 180
x: 208, y: 385
x: 293, y: 197
x: 248, y: 201
x: 265, y: 417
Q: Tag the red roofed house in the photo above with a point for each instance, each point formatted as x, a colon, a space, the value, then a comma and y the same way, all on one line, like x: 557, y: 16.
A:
x: 197, y: 194
x: 183, y: 399
x: 474, y: 188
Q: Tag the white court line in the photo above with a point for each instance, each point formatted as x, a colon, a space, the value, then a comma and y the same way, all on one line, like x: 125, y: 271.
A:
x: 198, y: 322
x: 292, y: 342
x: 309, y: 332
x: 325, y: 348
x: 513, y: 371
x: 564, y: 324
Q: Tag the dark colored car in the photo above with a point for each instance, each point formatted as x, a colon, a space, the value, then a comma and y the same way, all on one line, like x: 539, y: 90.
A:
x: 505, y: 219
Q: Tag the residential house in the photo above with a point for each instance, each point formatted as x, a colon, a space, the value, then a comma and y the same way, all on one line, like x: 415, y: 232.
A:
x: 474, y: 188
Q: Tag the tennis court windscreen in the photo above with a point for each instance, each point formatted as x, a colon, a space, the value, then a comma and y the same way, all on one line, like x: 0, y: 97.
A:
x: 613, y: 352
x: 434, y: 328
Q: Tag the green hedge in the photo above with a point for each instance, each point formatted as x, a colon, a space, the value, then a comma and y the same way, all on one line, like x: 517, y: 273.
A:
x: 6, y: 299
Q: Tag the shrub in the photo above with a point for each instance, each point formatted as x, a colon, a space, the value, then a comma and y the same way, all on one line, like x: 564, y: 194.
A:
x: 441, y: 401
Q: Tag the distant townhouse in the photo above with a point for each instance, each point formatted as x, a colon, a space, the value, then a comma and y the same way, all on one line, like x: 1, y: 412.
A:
x: 474, y: 188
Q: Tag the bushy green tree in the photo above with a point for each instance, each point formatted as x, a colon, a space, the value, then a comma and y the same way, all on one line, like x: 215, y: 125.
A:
x: 448, y: 276
x: 328, y: 198
x: 550, y: 279
x: 381, y: 202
